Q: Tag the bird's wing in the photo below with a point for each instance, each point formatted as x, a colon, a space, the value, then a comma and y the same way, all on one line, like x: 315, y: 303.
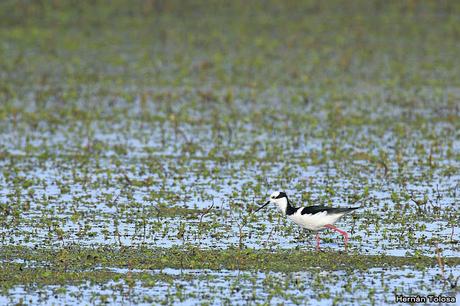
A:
x: 330, y: 210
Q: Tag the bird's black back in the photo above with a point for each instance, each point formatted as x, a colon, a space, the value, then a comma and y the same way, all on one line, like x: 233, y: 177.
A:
x: 290, y: 210
x: 330, y: 210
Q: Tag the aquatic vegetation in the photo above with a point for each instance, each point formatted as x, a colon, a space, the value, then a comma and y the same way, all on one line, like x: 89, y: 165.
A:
x: 140, y: 138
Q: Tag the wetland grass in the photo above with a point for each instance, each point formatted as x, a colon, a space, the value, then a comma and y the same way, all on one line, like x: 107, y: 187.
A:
x: 192, y: 257
x: 135, y: 138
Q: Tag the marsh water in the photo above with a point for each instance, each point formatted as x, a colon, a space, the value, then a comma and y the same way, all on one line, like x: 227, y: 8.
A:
x: 163, y: 132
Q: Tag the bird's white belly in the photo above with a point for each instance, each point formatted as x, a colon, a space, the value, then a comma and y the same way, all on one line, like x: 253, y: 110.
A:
x: 314, y: 222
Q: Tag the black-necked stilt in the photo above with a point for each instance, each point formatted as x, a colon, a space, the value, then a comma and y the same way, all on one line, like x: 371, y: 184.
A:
x: 314, y: 218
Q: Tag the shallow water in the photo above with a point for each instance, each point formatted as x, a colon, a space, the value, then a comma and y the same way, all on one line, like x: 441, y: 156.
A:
x: 187, y: 287
x: 162, y: 124
x: 82, y: 198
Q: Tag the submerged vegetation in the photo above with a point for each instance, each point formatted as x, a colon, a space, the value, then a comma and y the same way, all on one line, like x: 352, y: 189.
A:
x: 137, y: 139
x: 192, y: 257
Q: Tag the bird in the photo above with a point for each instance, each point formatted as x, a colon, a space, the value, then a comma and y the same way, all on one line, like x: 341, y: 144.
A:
x: 314, y: 218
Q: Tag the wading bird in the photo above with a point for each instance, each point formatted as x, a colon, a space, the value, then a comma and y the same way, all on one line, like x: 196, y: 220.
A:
x: 314, y: 218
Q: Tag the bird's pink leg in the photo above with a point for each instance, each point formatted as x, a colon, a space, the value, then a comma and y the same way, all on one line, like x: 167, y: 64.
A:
x: 317, y: 241
x: 343, y: 233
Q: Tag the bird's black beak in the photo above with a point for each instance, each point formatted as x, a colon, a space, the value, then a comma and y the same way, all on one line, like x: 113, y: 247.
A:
x: 268, y: 202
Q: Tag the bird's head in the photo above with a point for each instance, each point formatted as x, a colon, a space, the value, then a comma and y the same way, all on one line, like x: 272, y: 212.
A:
x: 279, y: 198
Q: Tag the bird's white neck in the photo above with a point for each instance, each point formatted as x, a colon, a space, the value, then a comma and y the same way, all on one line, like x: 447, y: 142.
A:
x: 282, y: 205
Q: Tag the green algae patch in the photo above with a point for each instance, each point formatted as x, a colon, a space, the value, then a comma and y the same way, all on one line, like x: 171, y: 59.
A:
x: 16, y: 274
x: 85, y: 259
